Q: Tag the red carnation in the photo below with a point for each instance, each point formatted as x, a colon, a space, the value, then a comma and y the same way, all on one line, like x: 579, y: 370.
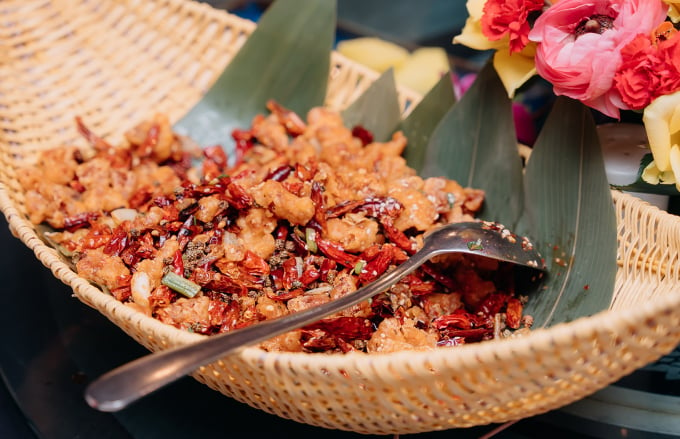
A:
x: 649, y: 69
x: 509, y: 17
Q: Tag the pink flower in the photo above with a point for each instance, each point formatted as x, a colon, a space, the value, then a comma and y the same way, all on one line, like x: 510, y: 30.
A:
x: 509, y: 17
x: 580, y: 42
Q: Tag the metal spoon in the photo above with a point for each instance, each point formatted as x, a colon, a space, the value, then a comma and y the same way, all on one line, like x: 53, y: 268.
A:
x: 132, y: 381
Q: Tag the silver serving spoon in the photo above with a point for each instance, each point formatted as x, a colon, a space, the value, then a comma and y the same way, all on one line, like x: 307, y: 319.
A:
x: 116, y: 389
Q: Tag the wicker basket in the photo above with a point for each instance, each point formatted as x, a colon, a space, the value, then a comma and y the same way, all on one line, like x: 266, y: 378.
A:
x: 118, y: 62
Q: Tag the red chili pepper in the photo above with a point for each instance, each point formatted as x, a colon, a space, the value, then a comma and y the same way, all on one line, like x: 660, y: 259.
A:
x: 290, y: 273
x: 118, y: 242
x: 95, y: 141
x: 97, y: 236
x: 280, y: 173
x: 254, y: 264
x: 310, y: 275
x: 281, y: 232
x: 327, y: 266
x: 238, y: 197
x: 376, y: 266
x: 79, y: 220
x: 348, y: 328
x: 141, y: 197
x: 398, y: 237
x: 492, y: 304
x: 418, y: 286
x: 439, y: 277
x: 178, y: 263
x: 362, y: 134
x: 319, y: 210
x: 335, y: 251
x: 460, y: 320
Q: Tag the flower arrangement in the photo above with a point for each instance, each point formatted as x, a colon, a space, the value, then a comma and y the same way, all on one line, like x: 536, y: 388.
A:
x: 611, y: 55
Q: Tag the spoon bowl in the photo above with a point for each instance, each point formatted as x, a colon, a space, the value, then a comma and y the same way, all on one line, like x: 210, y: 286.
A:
x: 118, y: 388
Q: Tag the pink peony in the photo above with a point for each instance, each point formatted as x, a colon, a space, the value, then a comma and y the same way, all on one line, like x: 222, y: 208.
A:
x: 580, y: 42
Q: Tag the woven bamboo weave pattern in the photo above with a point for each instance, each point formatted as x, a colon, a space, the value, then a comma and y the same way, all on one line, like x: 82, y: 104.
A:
x: 116, y: 62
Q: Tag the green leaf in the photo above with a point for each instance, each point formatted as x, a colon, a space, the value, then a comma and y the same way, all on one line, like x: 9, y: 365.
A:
x: 377, y: 109
x: 423, y: 119
x: 570, y: 217
x: 475, y: 144
x: 286, y: 58
x: 639, y: 185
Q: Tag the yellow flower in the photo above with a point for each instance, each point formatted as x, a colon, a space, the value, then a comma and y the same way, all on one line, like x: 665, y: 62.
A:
x: 673, y: 10
x: 513, y: 69
x: 662, y: 124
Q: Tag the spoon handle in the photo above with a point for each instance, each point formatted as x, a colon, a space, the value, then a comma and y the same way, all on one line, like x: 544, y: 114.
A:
x: 118, y: 388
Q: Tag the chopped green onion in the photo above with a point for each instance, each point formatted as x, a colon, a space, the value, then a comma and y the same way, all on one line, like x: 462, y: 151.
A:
x: 359, y: 266
x: 310, y: 239
x: 180, y: 284
x: 451, y: 199
x: 475, y: 245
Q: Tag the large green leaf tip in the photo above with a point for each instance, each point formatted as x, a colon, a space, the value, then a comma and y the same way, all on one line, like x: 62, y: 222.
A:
x: 286, y: 58
x: 570, y: 216
x: 377, y: 109
x: 474, y: 144
x: 423, y: 119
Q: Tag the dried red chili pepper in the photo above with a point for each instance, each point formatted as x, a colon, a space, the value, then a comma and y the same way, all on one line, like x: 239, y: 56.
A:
x: 418, y: 286
x: 327, y: 267
x: 95, y: 141
x: 280, y: 173
x: 398, y: 237
x: 238, y: 196
x: 310, y: 275
x: 178, y: 263
x: 362, y: 134
x: 79, y: 220
x: 118, y: 242
x: 335, y: 251
x: 376, y: 266
x: 290, y: 276
x: 348, y: 328
x: 319, y: 209
x: 140, y: 197
x: 254, y: 264
x: 439, y: 277
x: 97, y: 236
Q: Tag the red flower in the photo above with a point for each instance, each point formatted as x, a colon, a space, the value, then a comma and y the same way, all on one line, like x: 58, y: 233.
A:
x: 509, y: 17
x: 650, y: 68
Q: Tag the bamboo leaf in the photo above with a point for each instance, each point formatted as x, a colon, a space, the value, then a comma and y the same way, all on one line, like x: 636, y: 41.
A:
x: 286, y: 58
x: 377, y: 109
x: 423, y: 119
x: 570, y: 216
x: 474, y: 143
